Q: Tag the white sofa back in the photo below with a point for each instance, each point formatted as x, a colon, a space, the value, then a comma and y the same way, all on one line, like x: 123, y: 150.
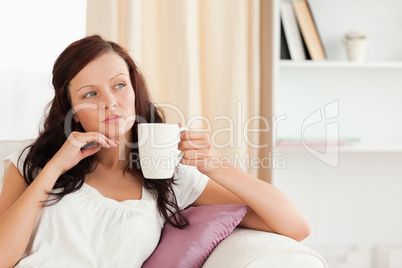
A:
x: 6, y: 148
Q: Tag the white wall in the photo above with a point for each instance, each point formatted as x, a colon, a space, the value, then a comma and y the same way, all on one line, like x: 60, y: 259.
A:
x: 379, y: 20
x: 33, y: 34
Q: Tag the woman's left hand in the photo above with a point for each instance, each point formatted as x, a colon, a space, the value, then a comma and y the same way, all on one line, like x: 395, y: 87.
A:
x: 198, y: 151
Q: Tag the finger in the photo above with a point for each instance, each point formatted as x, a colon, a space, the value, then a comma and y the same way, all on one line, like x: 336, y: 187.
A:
x: 194, y: 144
x: 188, y: 162
x: 194, y: 135
x: 89, y: 151
x: 195, y: 154
x: 75, y: 139
x: 101, y: 139
x: 193, y: 162
x: 90, y: 145
x: 96, y: 138
x: 84, y: 140
x: 109, y: 141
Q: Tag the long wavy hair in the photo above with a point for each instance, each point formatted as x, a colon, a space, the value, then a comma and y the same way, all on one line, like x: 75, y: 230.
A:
x: 70, y: 62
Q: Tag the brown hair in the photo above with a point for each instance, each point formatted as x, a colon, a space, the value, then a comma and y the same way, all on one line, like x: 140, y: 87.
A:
x: 71, y: 61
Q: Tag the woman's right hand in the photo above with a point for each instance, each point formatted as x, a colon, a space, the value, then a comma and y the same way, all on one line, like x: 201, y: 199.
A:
x: 70, y: 154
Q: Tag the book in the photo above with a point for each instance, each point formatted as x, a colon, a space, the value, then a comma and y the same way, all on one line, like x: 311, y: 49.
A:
x: 309, y: 30
x: 292, y: 32
x: 285, y: 54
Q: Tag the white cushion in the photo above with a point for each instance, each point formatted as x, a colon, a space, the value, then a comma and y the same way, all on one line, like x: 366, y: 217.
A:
x: 256, y: 249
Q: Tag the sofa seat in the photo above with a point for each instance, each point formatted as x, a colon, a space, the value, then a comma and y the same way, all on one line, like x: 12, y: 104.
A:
x: 256, y: 249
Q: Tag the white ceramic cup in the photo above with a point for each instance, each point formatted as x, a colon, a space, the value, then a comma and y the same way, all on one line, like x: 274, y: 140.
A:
x: 158, y: 149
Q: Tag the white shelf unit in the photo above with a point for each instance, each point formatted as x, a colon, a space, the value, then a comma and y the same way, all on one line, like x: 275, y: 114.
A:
x: 349, y: 204
x: 341, y: 64
x: 367, y: 93
x: 350, y: 148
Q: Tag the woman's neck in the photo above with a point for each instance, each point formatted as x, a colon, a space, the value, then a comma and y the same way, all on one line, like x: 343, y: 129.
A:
x: 115, y: 157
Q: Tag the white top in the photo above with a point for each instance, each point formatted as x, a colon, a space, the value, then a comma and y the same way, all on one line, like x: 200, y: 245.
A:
x: 86, y: 229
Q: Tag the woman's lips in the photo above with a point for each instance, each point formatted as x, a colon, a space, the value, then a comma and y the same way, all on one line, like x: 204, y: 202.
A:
x: 112, y: 119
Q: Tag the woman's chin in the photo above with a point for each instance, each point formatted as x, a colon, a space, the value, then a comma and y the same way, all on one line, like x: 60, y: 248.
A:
x: 121, y: 136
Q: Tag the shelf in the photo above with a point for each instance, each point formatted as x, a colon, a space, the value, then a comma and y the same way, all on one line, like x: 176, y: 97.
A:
x: 340, y: 64
x: 356, y: 147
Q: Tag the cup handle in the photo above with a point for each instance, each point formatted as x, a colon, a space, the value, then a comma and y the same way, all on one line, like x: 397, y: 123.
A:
x: 182, y: 129
x: 181, y: 154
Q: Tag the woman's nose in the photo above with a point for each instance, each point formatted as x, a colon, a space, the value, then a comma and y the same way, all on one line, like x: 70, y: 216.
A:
x: 108, y: 102
x: 112, y: 106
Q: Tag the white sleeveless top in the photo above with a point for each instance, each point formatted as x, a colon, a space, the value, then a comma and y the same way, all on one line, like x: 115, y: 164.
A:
x: 86, y: 229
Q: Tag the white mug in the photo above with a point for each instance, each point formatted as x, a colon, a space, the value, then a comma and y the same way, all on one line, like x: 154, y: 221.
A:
x: 158, y: 149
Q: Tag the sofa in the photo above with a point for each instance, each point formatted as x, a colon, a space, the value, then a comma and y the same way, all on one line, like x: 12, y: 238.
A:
x: 242, y: 248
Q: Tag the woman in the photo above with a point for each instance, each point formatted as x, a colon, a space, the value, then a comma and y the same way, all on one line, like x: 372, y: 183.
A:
x: 99, y: 209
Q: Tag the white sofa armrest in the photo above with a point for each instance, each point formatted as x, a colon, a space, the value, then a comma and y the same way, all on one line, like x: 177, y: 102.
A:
x: 252, y: 249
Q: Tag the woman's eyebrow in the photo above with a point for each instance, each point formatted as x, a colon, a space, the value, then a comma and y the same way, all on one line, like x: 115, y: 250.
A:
x: 93, y: 85
x: 84, y: 87
x: 117, y: 76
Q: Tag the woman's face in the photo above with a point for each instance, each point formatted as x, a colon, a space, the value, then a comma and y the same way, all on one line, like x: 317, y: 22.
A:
x: 103, y: 98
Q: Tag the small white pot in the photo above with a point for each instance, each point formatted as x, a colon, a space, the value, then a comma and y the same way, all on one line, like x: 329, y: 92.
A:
x: 356, y: 49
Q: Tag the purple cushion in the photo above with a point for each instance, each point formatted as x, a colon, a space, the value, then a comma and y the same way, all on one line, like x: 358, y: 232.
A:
x: 191, y: 246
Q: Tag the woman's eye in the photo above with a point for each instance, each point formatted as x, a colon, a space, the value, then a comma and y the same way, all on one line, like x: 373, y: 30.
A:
x: 90, y: 94
x: 119, y: 86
